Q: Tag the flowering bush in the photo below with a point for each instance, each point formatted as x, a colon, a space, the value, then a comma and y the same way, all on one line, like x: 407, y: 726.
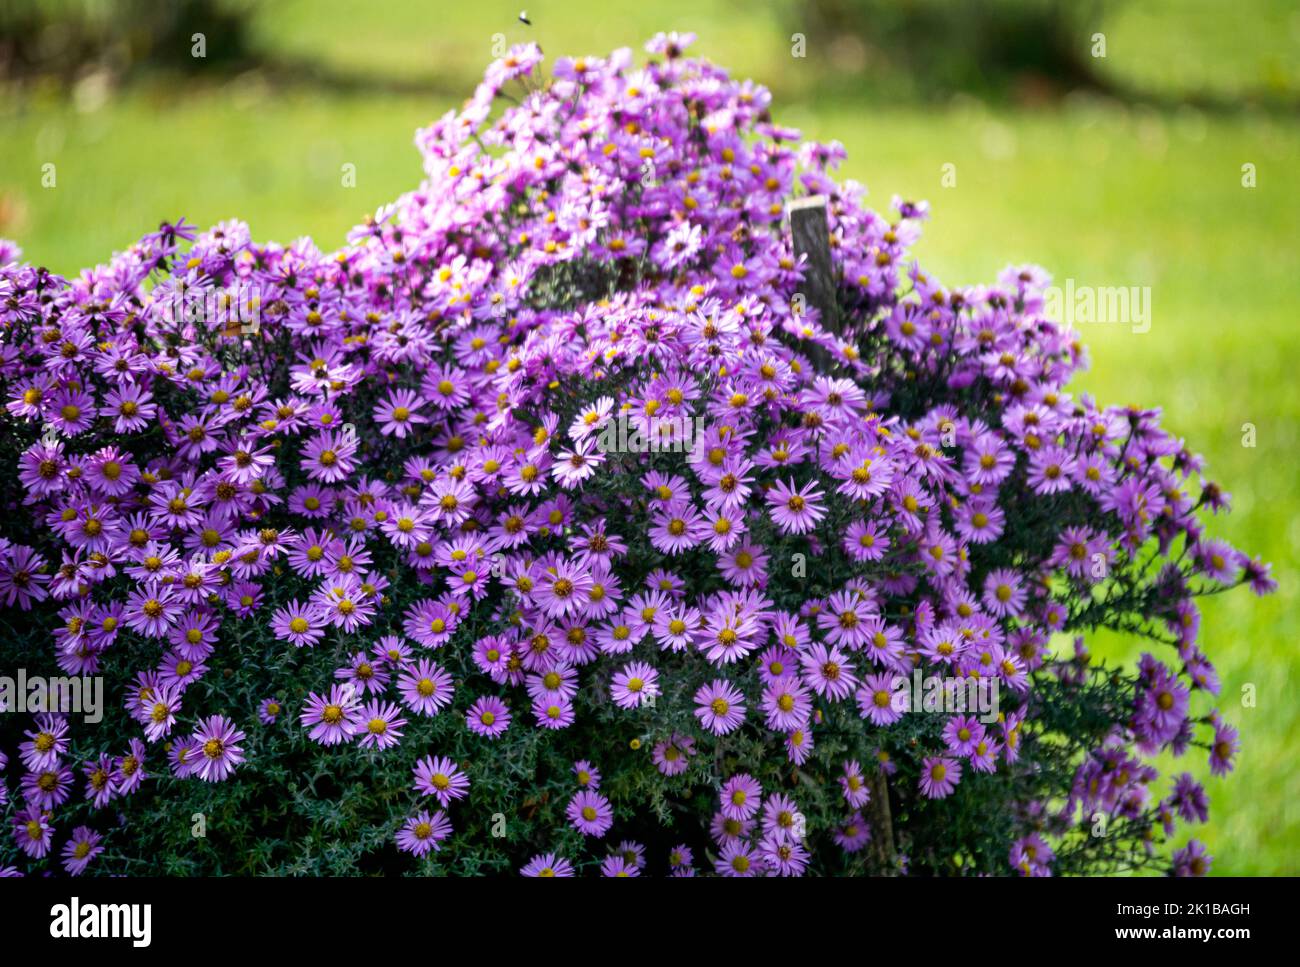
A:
x: 546, y: 527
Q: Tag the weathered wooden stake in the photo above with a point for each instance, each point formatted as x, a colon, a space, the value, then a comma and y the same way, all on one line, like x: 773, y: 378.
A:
x: 882, y: 823
x: 810, y: 237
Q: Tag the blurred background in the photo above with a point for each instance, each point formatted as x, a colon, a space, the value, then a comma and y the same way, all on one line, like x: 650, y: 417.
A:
x: 1146, y: 143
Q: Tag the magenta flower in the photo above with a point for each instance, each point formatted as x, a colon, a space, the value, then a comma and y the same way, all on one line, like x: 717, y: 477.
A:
x: 720, y: 707
x: 489, y: 717
x: 738, y: 859
x: 399, y: 414
x: 1192, y: 860
x: 635, y: 686
x: 787, y: 703
x: 939, y: 777
x: 741, y: 796
x: 32, y: 831
x: 80, y: 849
x: 328, y: 457
x: 440, y: 778
x: 151, y: 611
x: 547, y: 865
x: 382, y: 725
x: 219, y: 749
x: 299, y: 624
x: 333, y: 718
x: 424, y: 832
x: 829, y: 671
x: 268, y: 710
x: 590, y: 813
x: 795, y: 510
x: 426, y: 687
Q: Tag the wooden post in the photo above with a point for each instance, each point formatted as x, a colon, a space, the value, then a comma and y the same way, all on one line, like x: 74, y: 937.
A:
x: 810, y: 238
x: 235, y: 327
x: 882, y: 824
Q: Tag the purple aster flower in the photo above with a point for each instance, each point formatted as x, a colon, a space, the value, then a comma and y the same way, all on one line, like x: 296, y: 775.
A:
x: 635, y: 686
x: 1051, y: 470
x: 787, y: 703
x: 590, y: 813
x: 829, y: 671
x: 782, y: 819
x: 720, y: 707
x: 329, y: 456
x: 80, y: 849
x: 184, y: 758
x: 681, y: 861
x: 441, y: 778
x: 22, y: 580
x: 738, y: 859
x: 157, y: 710
x: 426, y: 687
x: 99, y: 780
x: 399, y: 413
x: 424, y: 832
x: 741, y: 796
x: 1259, y: 576
x: 672, y: 755
x: 268, y: 710
x: 220, y: 752
x: 1004, y: 595
x: 799, y: 744
x: 489, y: 717
x: 617, y: 866
x: 783, y: 856
x: 963, y: 734
x: 1188, y: 799
x: 588, y: 775
x: 151, y: 610
x: 49, y: 787
x: 854, y: 786
x: 45, y: 744
x: 128, y: 770
x: 32, y: 831
x: 1032, y: 856
x: 852, y: 834
x: 1224, y: 749
x: 333, y: 718
x: 846, y: 619
x: 553, y: 713
x: 344, y: 603
x: 364, y: 673
x: 939, y: 776
x: 130, y: 407
x: 563, y: 590
x: 382, y: 725
x: 678, y: 527
x: 547, y: 865
x: 795, y: 510
x: 1192, y: 860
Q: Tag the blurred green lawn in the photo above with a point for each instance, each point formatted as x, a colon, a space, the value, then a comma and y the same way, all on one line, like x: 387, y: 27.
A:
x: 1099, y: 193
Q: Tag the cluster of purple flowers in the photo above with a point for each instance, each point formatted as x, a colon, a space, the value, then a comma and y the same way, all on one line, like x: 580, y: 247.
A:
x: 422, y: 417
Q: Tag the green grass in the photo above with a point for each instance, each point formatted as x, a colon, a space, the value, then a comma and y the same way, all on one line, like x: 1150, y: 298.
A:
x: 1101, y: 194
x: 1173, y: 46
